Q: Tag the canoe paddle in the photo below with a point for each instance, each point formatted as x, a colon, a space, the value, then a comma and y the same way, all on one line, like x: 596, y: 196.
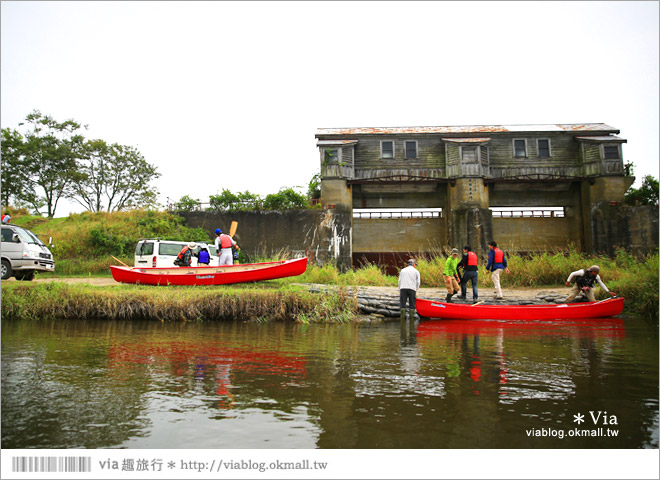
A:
x: 232, y: 229
x: 119, y: 261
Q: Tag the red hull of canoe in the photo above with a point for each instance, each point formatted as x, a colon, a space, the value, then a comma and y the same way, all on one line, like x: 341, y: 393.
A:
x: 458, y: 311
x: 249, y: 272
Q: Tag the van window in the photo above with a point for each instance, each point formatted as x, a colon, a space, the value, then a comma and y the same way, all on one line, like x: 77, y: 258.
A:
x: 26, y: 236
x: 170, y: 249
x: 7, y: 233
x: 146, y: 248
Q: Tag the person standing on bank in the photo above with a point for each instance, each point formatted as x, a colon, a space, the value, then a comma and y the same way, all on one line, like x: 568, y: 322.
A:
x: 469, y: 264
x: 451, y: 274
x: 409, y: 281
x: 583, y: 281
x: 223, y: 244
x: 496, y: 263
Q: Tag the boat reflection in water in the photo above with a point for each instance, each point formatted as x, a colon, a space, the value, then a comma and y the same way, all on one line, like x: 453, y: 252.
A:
x: 210, y: 367
x: 498, y: 352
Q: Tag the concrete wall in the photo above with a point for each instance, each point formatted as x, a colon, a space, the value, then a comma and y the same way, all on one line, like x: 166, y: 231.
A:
x: 535, y: 234
x: 398, y: 235
x: 323, y: 235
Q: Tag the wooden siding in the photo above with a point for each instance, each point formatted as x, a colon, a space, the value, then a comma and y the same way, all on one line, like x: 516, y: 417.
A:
x: 438, y: 159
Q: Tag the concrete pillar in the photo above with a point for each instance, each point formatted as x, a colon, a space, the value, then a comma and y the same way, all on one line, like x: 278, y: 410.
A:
x: 334, y: 235
x: 471, y: 221
x: 604, y: 226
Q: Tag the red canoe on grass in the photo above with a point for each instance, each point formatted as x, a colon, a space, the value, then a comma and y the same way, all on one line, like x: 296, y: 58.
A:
x: 226, y: 274
x: 605, y: 308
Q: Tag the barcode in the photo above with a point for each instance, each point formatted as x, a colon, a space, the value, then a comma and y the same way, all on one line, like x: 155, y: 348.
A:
x: 51, y: 464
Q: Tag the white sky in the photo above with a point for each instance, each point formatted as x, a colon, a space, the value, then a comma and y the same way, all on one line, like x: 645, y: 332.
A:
x: 229, y: 95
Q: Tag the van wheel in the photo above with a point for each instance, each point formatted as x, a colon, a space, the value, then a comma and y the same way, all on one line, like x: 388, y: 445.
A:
x: 27, y: 275
x: 6, y: 270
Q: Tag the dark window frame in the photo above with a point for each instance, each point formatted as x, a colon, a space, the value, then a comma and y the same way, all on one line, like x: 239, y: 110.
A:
x: 405, y: 148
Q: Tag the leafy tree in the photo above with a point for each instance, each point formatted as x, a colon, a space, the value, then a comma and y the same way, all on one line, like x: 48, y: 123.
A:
x: 228, y: 201
x: 187, y: 204
x: 314, y: 187
x: 113, y: 178
x: 49, y: 159
x: 647, y: 194
x: 285, y: 199
x: 15, y: 184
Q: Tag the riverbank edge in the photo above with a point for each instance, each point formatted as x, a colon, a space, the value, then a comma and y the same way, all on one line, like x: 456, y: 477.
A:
x: 302, y: 303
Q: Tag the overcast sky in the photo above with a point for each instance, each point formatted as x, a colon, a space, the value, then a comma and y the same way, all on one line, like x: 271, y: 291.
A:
x: 229, y: 95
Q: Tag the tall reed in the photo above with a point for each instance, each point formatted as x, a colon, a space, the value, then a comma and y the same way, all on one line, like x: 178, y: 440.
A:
x: 55, y: 300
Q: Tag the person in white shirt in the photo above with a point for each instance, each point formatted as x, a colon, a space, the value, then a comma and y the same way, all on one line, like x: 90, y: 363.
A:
x: 223, y: 244
x: 409, y: 280
x: 583, y: 281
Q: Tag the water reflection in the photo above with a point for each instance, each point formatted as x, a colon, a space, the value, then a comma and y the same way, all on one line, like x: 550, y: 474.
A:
x: 402, y: 384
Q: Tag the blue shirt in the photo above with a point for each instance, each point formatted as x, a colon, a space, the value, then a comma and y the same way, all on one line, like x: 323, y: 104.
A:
x: 492, y: 266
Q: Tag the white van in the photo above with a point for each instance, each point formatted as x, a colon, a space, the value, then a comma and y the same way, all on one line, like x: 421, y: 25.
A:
x: 23, y: 253
x: 154, y: 252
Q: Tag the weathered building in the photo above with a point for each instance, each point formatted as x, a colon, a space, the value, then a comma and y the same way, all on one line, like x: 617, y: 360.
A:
x: 470, y: 176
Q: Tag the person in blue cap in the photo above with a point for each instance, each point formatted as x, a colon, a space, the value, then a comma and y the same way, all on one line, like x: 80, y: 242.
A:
x: 223, y: 245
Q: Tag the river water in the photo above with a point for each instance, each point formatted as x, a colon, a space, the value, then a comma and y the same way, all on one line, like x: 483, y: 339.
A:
x: 397, y: 384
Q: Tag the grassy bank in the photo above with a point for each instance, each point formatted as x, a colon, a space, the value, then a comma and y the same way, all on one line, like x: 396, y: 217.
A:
x: 85, y: 242
x: 266, y: 302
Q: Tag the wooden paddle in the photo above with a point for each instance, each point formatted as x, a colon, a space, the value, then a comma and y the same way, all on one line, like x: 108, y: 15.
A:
x: 482, y: 301
x: 232, y: 229
x: 119, y: 261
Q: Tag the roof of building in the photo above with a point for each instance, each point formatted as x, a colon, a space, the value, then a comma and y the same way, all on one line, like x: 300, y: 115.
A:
x: 461, y: 129
x: 607, y: 138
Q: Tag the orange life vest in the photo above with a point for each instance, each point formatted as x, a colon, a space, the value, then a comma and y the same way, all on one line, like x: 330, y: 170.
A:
x: 225, y: 241
x: 499, y: 255
x: 472, y: 259
x: 182, y: 252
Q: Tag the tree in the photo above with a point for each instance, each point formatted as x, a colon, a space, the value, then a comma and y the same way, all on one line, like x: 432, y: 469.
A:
x: 113, y: 178
x: 50, y: 150
x: 15, y: 184
x: 647, y: 194
x: 314, y: 187
x: 285, y: 199
x: 228, y: 201
x: 187, y: 204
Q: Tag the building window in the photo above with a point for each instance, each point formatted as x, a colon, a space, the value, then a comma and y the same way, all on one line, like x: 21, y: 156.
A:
x: 387, y: 149
x: 469, y: 154
x: 411, y: 148
x: 331, y: 156
x: 543, y: 147
x: 611, y: 152
x: 520, y: 148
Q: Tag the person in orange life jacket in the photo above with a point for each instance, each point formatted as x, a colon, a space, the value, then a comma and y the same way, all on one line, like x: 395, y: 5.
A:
x: 470, y: 272
x: 184, y: 259
x: 584, y: 282
x: 204, y: 257
x: 223, y: 244
x: 496, y: 263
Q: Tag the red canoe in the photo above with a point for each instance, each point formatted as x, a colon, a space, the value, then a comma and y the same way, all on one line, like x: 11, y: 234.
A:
x: 246, y: 272
x: 605, y: 308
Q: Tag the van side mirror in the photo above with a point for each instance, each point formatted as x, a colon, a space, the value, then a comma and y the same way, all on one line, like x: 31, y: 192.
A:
x: 15, y: 239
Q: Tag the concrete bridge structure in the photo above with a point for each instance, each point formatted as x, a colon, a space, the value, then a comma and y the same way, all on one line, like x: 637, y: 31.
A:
x: 528, y: 187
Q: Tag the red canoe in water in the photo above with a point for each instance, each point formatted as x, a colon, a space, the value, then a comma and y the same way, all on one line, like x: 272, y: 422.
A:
x: 226, y: 274
x: 605, y: 308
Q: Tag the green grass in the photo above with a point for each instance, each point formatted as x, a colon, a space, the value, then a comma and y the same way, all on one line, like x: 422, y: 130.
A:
x: 263, y: 302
